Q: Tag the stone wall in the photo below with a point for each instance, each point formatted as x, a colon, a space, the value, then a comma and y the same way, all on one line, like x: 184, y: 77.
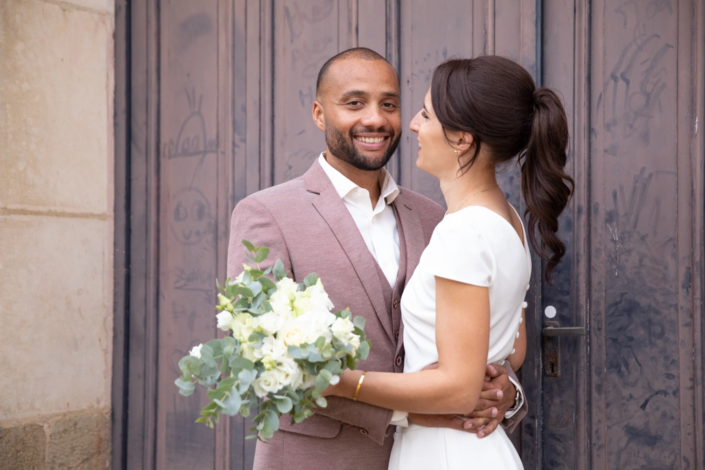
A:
x: 56, y: 232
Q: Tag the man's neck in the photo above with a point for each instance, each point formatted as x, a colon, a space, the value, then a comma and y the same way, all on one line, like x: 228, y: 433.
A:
x: 368, y: 180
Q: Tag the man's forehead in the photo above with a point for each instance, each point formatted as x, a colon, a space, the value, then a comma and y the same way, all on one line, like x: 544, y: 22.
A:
x: 366, y: 76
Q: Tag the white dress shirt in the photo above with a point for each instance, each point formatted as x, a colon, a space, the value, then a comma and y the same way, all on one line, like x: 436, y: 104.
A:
x: 378, y: 227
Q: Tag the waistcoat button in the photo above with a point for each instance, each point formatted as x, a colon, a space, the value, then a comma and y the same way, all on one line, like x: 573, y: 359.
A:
x: 395, y: 304
x: 396, y: 335
x: 398, y: 361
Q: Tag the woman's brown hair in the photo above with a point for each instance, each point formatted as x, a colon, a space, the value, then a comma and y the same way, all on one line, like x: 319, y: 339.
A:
x: 496, y: 101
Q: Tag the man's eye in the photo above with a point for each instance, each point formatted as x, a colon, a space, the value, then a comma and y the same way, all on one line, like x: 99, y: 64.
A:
x: 355, y: 103
x: 389, y: 105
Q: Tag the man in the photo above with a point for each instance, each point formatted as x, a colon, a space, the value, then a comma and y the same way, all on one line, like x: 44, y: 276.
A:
x: 347, y: 221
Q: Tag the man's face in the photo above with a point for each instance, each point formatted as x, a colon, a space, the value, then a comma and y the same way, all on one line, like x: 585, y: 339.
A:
x: 358, y: 109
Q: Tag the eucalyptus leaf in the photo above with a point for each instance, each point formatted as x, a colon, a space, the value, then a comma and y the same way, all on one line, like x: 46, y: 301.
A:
x: 321, y: 383
x: 284, y: 404
x: 311, y: 280
x: 278, y: 270
x: 185, y: 388
x: 359, y: 322
x: 297, y: 352
x: 266, y: 283
x: 321, y: 402
x: 249, y: 245
x: 262, y: 254
x: 364, y: 350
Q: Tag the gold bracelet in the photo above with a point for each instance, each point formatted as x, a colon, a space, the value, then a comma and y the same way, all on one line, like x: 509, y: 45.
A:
x: 359, y: 384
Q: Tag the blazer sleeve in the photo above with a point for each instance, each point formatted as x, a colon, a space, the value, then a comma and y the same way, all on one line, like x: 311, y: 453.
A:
x: 510, y: 424
x: 252, y: 221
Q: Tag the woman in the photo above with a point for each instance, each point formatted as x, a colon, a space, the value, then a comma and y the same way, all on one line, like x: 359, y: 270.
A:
x: 462, y: 307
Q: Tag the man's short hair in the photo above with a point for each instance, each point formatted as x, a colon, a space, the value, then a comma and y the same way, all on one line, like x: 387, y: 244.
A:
x: 354, y: 53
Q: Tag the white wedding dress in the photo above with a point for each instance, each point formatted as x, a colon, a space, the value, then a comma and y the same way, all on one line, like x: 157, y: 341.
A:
x: 475, y: 246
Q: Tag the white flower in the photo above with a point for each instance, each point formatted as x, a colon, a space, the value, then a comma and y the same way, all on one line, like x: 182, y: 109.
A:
x: 354, y: 340
x: 342, y: 328
x: 306, y: 328
x: 248, y: 352
x: 271, y: 347
x: 196, y: 351
x: 292, y: 333
x: 308, y: 381
x: 269, y: 323
x: 268, y: 381
x: 313, y: 299
x: 282, y: 299
x: 241, y: 325
x: 225, y: 318
x: 291, y: 370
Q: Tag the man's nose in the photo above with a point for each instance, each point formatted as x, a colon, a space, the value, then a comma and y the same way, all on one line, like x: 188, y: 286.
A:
x: 375, y: 117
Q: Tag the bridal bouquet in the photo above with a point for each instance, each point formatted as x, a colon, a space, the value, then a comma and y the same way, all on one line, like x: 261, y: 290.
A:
x: 286, y: 347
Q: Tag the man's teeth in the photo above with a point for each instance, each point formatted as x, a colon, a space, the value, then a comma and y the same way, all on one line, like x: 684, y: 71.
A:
x: 370, y: 140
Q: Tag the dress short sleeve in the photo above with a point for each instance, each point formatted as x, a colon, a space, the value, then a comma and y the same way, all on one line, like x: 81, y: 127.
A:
x: 460, y: 253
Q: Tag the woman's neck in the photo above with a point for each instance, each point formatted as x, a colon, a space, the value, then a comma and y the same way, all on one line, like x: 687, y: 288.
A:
x: 460, y: 191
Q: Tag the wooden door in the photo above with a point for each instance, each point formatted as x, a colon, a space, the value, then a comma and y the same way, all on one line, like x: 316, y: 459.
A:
x: 213, y: 103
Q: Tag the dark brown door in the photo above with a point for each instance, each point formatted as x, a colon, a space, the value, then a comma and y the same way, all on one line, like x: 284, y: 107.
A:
x: 213, y: 103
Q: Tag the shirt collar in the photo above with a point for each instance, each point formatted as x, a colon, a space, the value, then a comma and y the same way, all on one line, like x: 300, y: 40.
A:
x: 343, y: 186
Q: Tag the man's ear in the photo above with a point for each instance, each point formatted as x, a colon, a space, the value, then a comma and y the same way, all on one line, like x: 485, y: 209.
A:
x: 318, y: 117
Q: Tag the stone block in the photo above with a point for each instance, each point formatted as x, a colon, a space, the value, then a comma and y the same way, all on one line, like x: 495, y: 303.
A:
x: 56, y: 95
x: 23, y: 448
x: 106, y: 6
x: 56, y: 314
x: 79, y: 442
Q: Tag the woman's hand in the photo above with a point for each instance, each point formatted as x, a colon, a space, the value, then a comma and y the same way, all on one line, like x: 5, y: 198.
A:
x: 345, y: 388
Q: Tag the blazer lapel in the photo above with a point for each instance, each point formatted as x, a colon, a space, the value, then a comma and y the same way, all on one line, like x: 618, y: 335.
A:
x: 413, y: 233
x: 341, y: 223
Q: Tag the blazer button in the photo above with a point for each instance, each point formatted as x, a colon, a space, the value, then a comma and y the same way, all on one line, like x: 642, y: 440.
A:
x: 395, y: 304
x: 363, y: 432
x: 398, y: 361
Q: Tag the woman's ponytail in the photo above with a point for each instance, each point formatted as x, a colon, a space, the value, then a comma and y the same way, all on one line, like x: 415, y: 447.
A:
x: 546, y: 187
x: 496, y: 101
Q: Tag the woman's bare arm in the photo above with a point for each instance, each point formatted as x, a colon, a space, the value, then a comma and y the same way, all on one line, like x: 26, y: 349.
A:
x: 462, y: 338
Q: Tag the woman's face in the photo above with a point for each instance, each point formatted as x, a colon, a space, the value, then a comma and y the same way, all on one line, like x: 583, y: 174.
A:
x: 436, y: 156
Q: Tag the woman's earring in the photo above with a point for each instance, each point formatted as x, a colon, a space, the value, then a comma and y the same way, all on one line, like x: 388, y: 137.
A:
x: 456, y: 152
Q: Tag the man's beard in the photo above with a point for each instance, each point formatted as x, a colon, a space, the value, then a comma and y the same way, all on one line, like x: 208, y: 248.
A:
x: 345, y: 150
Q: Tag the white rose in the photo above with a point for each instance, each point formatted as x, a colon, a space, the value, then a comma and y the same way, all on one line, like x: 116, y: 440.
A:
x: 241, y: 325
x: 291, y: 370
x: 196, y: 351
x: 342, y: 328
x: 272, y: 348
x: 292, y: 333
x: 269, y: 323
x: 269, y: 381
x: 225, y: 318
x: 317, y: 324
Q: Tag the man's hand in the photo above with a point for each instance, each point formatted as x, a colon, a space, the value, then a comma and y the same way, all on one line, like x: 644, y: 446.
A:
x: 496, y: 398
